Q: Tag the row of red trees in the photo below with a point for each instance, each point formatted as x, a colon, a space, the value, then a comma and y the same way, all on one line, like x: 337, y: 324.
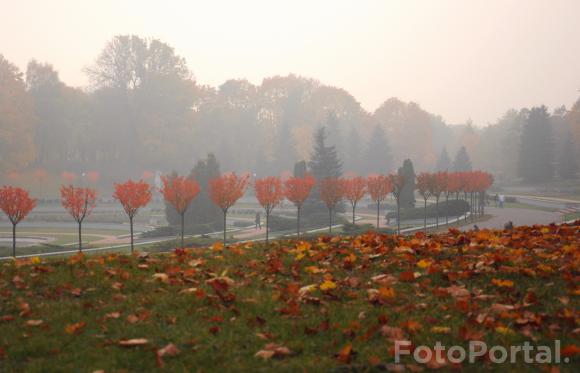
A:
x: 227, y: 189
x: 434, y: 185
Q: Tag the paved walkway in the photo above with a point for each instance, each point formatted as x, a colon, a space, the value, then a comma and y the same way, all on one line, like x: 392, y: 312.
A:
x: 518, y: 216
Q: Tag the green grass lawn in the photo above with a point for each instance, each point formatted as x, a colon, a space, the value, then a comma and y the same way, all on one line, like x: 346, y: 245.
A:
x: 329, y: 304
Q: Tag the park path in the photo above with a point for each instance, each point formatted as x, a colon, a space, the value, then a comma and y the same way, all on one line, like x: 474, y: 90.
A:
x: 518, y: 216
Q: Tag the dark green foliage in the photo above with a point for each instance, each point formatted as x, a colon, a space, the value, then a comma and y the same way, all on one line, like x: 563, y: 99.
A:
x: 456, y: 208
x: 462, y: 162
x: 310, y: 221
x: 443, y: 162
x: 536, y: 162
x: 408, y: 193
x: 568, y: 159
x: 324, y: 163
x: 300, y: 169
x: 378, y: 156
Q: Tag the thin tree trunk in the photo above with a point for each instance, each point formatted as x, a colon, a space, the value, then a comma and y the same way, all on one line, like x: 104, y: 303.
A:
x: 80, y: 237
x: 182, y: 226
x: 425, y: 216
x: 131, y: 224
x: 398, y: 216
x: 267, y: 228
x: 353, y: 208
x: 225, y: 212
x: 446, y: 209
x: 437, y: 212
x: 298, y: 222
x: 14, y: 240
x: 329, y: 220
x: 483, y: 205
x: 378, y: 213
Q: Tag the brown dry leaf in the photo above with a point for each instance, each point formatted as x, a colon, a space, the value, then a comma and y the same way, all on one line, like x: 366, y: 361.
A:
x: 169, y: 350
x: 133, y: 342
x: 34, y: 322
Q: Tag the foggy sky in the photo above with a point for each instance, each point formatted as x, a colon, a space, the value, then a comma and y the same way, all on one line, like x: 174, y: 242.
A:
x: 460, y: 59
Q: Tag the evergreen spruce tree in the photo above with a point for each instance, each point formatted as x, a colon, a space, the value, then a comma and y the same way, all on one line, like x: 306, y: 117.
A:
x: 462, y: 163
x: 536, y: 161
x: 323, y: 163
x: 568, y: 159
x: 444, y: 162
x: 353, y: 151
x: 408, y: 192
x: 203, y: 215
x: 300, y: 169
x: 378, y: 157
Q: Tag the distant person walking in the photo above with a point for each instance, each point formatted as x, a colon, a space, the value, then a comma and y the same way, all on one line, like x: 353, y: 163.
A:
x: 501, y: 201
x: 258, y: 221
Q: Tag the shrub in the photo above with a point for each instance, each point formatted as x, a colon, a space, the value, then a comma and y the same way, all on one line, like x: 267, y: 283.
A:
x: 456, y: 207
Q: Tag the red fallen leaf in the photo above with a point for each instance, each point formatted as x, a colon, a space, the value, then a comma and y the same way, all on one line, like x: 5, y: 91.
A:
x: 570, y: 350
x: 214, y: 330
x: 5, y: 318
x: 407, y: 276
x: 76, y: 292
x: 75, y: 328
x: 2, y: 353
x: 132, y: 319
x: 133, y: 342
x: 345, y: 354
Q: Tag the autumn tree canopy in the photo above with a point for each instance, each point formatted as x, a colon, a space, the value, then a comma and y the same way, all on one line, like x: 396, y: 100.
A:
x: 16, y: 204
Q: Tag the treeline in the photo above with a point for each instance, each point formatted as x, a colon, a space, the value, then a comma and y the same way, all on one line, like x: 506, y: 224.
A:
x: 144, y: 112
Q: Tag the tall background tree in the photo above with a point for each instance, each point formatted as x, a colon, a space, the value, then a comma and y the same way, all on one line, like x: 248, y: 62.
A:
x: 407, y: 172
x: 568, y: 159
x: 17, y: 148
x: 378, y: 157
x: 324, y: 163
x: 537, y: 147
x: 443, y: 162
x: 462, y: 162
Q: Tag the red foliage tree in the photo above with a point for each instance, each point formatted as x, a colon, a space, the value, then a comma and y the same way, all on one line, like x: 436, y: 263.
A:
x: 270, y: 193
x: 438, y: 186
x: 397, y: 184
x: 132, y: 195
x: 179, y: 191
x: 79, y: 202
x: 331, y: 192
x: 355, y: 189
x: 424, y: 186
x: 16, y: 204
x: 443, y: 180
x: 379, y: 187
x: 226, y: 190
x: 297, y: 190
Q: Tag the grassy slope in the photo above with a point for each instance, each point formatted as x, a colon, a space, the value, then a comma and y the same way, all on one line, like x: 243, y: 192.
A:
x: 220, y: 307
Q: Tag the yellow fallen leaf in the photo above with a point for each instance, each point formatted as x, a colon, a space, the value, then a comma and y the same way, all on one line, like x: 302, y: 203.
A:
x: 327, y: 285
x: 423, y: 263
x: 440, y: 329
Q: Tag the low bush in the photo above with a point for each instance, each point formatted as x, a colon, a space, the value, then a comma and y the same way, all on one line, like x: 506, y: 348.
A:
x: 456, y: 208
